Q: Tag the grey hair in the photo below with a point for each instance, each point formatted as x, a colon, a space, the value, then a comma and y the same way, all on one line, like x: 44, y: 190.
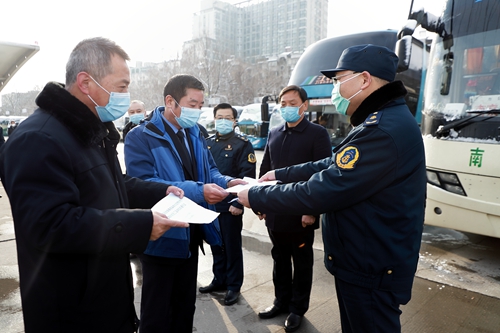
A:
x: 93, y: 56
x: 138, y: 101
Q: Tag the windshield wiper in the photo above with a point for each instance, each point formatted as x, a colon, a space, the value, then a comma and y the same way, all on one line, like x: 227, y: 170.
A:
x: 461, y: 123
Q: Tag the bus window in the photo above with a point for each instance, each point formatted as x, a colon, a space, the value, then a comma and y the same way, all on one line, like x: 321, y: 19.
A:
x: 482, y: 71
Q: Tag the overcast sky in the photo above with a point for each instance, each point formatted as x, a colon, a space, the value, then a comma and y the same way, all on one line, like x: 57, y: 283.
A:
x: 148, y: 30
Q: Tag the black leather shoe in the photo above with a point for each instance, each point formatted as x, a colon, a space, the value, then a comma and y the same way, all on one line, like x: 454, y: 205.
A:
x: 270, y: 312
x: 211, y: 287
x: 292, y: 322
x: 231, y: 297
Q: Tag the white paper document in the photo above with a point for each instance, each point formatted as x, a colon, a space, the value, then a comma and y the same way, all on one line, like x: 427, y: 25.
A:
x: 251, y: 182
x: 184, y: 210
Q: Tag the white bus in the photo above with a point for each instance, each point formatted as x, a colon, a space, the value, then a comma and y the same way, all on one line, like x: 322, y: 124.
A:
x: 460, y: 114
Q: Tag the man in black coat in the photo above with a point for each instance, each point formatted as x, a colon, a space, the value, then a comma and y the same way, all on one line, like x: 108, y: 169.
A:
x: 297, y: 141
x: 234, y: 156
x: 12, y: 127
x: 70, y: 201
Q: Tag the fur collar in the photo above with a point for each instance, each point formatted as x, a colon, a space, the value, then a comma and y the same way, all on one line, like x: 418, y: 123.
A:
x: 73, y: 114
x: 378, y: 100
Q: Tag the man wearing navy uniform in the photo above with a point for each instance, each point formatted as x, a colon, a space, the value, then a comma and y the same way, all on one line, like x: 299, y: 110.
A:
x: 372, y: 192
x: 234, y: 156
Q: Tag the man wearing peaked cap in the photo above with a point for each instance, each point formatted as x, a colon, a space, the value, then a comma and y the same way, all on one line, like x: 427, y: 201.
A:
x: 379, y: 61
x: 371, y: 192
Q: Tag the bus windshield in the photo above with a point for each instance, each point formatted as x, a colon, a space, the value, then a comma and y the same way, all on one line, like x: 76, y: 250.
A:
x: 463, y: 75
x: 475, y: 81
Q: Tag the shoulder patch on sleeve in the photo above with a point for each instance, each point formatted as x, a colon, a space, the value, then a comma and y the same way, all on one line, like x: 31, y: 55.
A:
x: 252, y: 158
x: 373, y: 119
x: 347, y: 158
x: 242, y: 137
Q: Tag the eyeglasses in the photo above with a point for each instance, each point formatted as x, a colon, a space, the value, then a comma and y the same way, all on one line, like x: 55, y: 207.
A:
x: 336, y: 78
x: 227, y: 118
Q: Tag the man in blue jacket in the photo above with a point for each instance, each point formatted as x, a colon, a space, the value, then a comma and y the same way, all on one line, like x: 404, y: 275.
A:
x: 372, y: 192
x: 169, y: 148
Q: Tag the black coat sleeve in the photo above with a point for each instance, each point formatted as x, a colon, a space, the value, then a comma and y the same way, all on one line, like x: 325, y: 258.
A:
x: 265, y: 165
x: 142, y: 193
x: 58, y: 209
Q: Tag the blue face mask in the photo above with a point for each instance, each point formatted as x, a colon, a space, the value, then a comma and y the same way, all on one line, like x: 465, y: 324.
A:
x: 290, y: 113
x: 136, y: 118
x: 224, y: 126
x: 341, y: 103
x: 188, y: 118
x: 117, y: 105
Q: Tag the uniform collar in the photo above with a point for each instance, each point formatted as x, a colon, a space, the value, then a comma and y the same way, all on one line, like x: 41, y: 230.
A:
x: 378, y: 100
x: 225, y: 136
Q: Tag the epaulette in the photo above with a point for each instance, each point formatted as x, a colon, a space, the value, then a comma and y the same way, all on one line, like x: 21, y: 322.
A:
x: 242, y: 137
x: 373, y: 119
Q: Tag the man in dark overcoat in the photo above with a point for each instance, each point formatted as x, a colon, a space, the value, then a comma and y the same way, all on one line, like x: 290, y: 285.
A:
x: 297, y: 141
x: 71, y: 204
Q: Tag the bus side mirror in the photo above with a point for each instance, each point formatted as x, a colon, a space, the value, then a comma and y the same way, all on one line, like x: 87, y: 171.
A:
x: 403, y: 51
x: 408, y: 29
x: 264, y: 108
x: 264, y: 129
x: 446, y: 77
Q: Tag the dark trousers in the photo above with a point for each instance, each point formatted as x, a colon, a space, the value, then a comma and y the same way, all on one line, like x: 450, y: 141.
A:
x: 228, y: 259
x: 369, y: 310
x: 292, y: 289
x: 168, y: 294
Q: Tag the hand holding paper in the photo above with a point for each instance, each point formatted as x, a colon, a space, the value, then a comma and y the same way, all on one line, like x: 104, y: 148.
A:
x: 213, y: 193
x: 237, y: 181
x: 184, y: 210
x: 175, y: 190
x: 250, y: 182
x: 243, y: 198
x: 161, y: 224
x: 270, y: 175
